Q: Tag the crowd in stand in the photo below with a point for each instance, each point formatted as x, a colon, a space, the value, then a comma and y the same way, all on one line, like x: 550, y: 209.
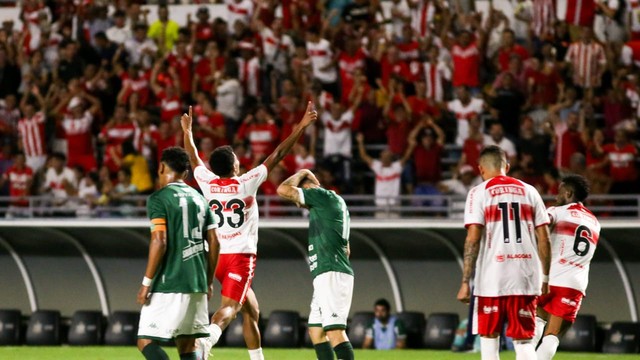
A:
x: 90, y: 94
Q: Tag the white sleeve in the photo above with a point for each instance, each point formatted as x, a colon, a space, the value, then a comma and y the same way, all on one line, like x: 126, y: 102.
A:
x: 376, y: 166
x: 474, y: 209
x: 203, y: 175
x: 348, y: 116
x: 552, y: 212
x: 254, y: 178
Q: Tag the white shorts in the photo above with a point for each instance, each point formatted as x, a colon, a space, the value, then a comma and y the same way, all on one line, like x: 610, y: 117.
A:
x: 331, y: 302
x: 171, y: 315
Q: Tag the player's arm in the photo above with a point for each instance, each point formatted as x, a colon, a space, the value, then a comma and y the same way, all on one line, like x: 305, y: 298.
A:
x: 189, y: 144
x: 544, y: 252
x: 471, y: 251
x: 289, y: 188
x: 368, y: 338
x: 283, y: 149
x: 157, y: 249
x: 362, y: 151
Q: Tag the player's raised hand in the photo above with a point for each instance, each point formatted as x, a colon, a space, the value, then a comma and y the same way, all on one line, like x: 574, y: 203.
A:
x: 310, y: 115
x: 464, y: 294
x: 187, y: 120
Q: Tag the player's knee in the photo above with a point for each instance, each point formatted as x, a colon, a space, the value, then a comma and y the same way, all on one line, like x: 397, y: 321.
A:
x: 142, y: 343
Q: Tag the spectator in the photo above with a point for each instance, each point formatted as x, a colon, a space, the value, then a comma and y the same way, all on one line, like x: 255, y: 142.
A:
x: 181, y: 62
x: 304, y: 158
x: 506, y: 103
x: 88, y: 193
x: 140, y: 49
x: 533, y: 143
x: 164, y: 31
x: 210, y: 123
x: 9, y: 74
x: 261, y: 132
x: 116, y: 131
x: 239, y: 10
x: 587, y: 60
x: 387, y: 331
x: 20, y: 178
x: 427, y: 138
x: 229, y: 97
x: 460, y: 183
x: 60, y: 182
x: 464, y: 108
x: 466, y: 56
x: 250, y: 73
x: 473, y: 145
x: 387, y: 174
x: 137, y: 165
x: 322, y: 62
x: 77, y: 124
x: 621, y: 157
x: 9, y: 117
x: 70, y: 65
x: 398, y: 114
x: 30, y: 128
x: 169, y: 95
x: 119, y: 33
x: 436, y: 73
x: 124, y: 189
x: 569, y: 140
x: 496, y: 137
x: 509, y: 48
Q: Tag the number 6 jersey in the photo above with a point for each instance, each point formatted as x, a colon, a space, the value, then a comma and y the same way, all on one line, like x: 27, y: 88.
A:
x: 233, y: 203
x: 574, y: 235
x: 508, y: 262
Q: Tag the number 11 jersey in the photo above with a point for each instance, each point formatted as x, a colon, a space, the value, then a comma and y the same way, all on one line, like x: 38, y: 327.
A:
x: 510, y: 211
x: 233, y: 203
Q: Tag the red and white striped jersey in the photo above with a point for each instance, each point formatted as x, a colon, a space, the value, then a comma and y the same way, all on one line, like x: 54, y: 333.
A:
x: 574, y: 236
x: 78, y: 134
x: 249, y: 75
x: 466, y: 65
x: 587, y: 61
x: 239, y: 10
x: 434, y: 75
x: 463, y: 114
x: 233, y: 201
x: 544, y: 17
x: 321, y: 56
x: 170, y: 106
x: 32, y: 135
x: 337, y: 134
x: 422, y: 17
x: 387, y: 185
x: 580, y: 12
x: 633, y: 9
x: 510, y: 211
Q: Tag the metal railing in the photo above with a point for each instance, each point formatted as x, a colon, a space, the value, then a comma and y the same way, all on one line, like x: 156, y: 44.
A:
x: 273, y: 207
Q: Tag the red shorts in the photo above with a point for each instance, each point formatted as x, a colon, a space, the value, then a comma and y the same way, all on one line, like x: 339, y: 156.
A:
x: 235, y: 274
x: 518, y: 310
x: 562, y: 302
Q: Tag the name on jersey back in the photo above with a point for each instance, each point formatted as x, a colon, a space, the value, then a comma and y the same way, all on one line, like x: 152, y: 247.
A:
x: 506, y: 189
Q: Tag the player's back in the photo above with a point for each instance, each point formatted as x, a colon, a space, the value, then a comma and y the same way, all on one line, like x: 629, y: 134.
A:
x: 575, y: 232
x: 233, y: 202
x: 186, y: 218
x: 508, y: 262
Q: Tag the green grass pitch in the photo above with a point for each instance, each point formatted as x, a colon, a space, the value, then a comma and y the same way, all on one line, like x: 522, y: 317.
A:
x: 122, y: 353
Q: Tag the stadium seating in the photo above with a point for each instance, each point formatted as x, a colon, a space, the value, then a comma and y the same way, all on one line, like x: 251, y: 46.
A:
x: 86, y: 328
x: 122, y: 328
x: 581, y: 336
x: 44, y: 328
x: 358, y: 327
x: 622, y: 338
x: 10, y: 326
x: 440, y: 330
x: 414, y: 323
x: 283, y: 329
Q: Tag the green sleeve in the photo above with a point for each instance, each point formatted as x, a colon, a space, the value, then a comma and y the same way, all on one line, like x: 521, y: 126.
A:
x: 155, y: 209
x: 313, y: 197
x: 209, y: 222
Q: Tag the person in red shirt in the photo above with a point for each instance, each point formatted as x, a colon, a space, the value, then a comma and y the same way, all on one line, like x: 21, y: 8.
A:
x: 427, y: 139
x: 210, y: 124
x: 182, y: 63
x: 20, y: 177
x: 472, y: 146
x: 261, y: 131
x: 114, y: 133
x: 569, y: 142
x: 77, y: 123
x: 207, y: 69
x: 391, y: 65
x: 420, y: 104
x: 467, y: 57
x: 398, y: 123
x: 203, y: 29
x: 621, y: 156
x: 508, y: 48
x: 350, y: 60
x: 169, y: 95
x: 134, y: 80
x: 165, y: 138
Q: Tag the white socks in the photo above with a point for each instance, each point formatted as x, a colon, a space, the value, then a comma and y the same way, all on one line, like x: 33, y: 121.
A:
x: 525, y: 350
x: 540, y: 324
x: 548, y: 347
x: 490, y: 348
x: 215, y: 332
x: 256, y: 354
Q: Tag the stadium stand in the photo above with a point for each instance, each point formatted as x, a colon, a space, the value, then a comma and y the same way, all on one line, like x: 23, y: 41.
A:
x: 283, y: 329
x: 122, y: 328
x: 440, y: 330
x: 44, y: 328
x: 10, y: 330
x: 415, y: 324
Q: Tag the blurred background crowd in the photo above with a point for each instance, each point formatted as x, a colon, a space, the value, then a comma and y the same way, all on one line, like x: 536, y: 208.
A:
x: 409, y: 91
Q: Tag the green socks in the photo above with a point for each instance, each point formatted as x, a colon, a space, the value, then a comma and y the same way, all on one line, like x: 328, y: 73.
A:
x: 324, y: 351
x: 153, y: 351
x: 344, y: 351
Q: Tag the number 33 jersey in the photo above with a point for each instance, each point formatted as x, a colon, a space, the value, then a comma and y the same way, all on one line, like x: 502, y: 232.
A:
x: 574, y: 235
x: 233, y: 203
x: 510, y: 211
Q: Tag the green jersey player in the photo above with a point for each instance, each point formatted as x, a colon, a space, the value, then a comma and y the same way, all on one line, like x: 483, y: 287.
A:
x: 328, y: 262
x: 183, y: 253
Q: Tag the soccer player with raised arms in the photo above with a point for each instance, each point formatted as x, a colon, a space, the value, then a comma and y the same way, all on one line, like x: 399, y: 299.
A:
x: 507, y: 246
x: 183, y: 253
x: 232, y: 199
x: 574, y: 236
x: 328, y: 261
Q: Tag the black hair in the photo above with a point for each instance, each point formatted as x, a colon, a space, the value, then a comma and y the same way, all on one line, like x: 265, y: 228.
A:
x: 495, y: 155
x: 60, y: 156
x: 128, y: 147
x: 221, y: 161
x: 176, y: 158
x: 579, y: 185
x: 100, y: 35
x: 383, y: 302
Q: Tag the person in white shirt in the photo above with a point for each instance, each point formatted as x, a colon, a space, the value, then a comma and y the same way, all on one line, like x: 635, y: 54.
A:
x: 507, y: 248
x: 239, y: 10
x: 140, y: 48
x: 229, y: 97
x: 574, y: 238
x: 464, y: 108
x: 323, y: 62
x: 119, y: 33
x: 388, y: 174
x: 60, y: 181
x: 496, y: 137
